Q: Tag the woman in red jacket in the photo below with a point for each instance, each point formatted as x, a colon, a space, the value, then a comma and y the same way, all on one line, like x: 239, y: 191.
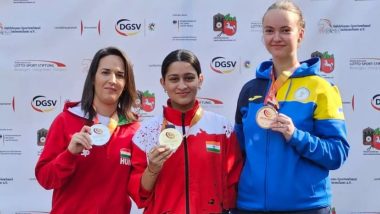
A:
x: 86, y: 159
x: 186, y: 160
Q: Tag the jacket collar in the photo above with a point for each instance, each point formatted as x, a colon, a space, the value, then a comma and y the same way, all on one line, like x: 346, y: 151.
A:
x: 76, y: 109
x: 175, y: 117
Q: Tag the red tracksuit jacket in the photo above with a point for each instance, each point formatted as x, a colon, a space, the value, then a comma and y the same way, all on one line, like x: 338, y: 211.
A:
x: 92, y: 182
x: 201, y: 175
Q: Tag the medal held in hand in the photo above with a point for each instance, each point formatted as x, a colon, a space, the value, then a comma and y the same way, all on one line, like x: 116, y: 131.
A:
x: 170, y: 137
x: 99, y: 134
x: 265, y: 116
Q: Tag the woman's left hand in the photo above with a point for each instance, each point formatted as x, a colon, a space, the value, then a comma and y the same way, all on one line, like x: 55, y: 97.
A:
x: 283, y: 124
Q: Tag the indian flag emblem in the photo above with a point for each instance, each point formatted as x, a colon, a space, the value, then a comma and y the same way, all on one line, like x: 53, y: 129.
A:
x: 213, y: 146
x: 125, y: 157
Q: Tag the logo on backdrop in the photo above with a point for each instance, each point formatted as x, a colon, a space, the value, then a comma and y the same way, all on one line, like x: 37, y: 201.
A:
x: 6, y: 180
x: 11, y: 104
x: 183, y: 25
x: 327, y: 61
x: 144, y: 104
x: 375, y: 102
x: 225, y: 25
x: 9, y: 137
x: 152, y: 26
x: 148, y: 101
x: 256, y: 26
x: 371, y: 139
x: 2, y: 30
x: 325, y: 26
x: 247, y: 64
x: 41, y: 104
x: 209, y: 101
x: 84, y: 27
x: 9, y: 30
x: 38, y: 65
x: 222, y: 65
x: 351, y: 103
x: 126, y: 27
x: 24, y: 1
x: 366, y: 64
x: 41, y: 136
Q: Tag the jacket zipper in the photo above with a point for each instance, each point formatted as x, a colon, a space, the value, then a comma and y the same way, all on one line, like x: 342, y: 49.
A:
x: 186, y: 165
x: 267, y: 152
x: 266, y: 157
x: 266, y: 171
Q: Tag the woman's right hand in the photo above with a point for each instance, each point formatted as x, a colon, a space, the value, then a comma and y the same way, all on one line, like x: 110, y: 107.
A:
x: 157, y: 157
x: 80, y: 141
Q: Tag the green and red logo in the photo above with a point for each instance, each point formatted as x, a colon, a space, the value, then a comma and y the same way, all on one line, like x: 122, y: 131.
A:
x: 225, y: 24
x: 327, y: 61
x: 371, y: 137
x: 148, y: 101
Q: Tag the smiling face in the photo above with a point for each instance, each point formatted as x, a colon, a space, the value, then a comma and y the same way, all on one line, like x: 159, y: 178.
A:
x: 109, y: 81
x: 282, y: 33
x: 181, y: 82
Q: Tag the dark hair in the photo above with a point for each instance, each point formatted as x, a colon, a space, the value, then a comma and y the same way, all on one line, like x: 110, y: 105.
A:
x: 126, y: 98
x: 180, y: 55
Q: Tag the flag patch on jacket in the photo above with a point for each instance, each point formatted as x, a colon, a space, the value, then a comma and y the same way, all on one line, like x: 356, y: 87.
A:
x: 125, y: 157
x: 213, y: 146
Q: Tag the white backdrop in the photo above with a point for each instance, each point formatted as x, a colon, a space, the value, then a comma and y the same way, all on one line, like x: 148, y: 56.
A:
x: 46, y: 48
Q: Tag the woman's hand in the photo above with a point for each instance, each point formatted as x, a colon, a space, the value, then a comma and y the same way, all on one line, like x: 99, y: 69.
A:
x: 80, y: 141
x: 157, y: 157
x: 283, y: 124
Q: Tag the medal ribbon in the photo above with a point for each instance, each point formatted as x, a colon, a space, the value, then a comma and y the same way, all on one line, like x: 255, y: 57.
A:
x: 197, y: 116
x: 271, y: 99
x: 112, y: 124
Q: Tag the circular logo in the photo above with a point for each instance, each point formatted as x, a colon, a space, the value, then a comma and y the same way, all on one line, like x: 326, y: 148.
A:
x: 375, y: 102
x: 268, y: 113
x: 99, y: 134
x: 302, y: 94
x: 98, y: 131
x: 265, y: 116
x: 170, y: 137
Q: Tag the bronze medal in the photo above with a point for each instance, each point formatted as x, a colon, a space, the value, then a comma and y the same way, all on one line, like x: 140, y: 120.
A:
x: 265, y: 116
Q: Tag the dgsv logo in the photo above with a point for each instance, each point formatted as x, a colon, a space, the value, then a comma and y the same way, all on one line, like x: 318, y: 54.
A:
x: 221, y: 65
x: 41, y: 104
x: 375, y: 102
x: 125, y: 27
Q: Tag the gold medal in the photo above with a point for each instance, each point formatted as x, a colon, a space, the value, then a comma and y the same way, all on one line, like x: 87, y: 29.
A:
x: 170, y: 137
x: 265, y: 116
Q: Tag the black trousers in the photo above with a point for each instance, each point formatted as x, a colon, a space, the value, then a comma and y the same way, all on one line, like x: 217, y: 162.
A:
x: 325, y: 210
